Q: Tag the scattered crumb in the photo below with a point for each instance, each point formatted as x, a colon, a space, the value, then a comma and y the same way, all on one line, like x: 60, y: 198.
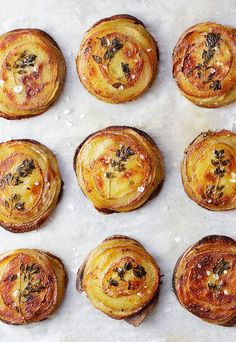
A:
x: 177, y: 239
x: 56, y: 117
x: 82, y: 116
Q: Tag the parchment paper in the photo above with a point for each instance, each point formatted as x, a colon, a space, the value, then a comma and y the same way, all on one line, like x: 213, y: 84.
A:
x: 168, y: 224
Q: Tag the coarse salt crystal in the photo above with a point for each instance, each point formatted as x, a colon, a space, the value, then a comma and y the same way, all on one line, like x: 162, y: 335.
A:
x: 133, y: 77
x: 226, y: 292
x: 67, y: 111
x: 199, y: 265
x: 208, y: 272
x: 71, y: 207
x: 36, y: 183
x: 68, y: 143
x: 121, y: 87
x: 216, y: 276
x: 69, y: 124
x: 2, y: 83
x: 15, y: 293
x: 148, y: 50
x: 17, y: 89
x: 141, y: 156
x: 82, y: 116
x: 56, y: 117
x: 141, y: 189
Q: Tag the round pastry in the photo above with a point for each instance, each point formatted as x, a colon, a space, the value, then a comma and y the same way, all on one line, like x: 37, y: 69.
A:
x: 118, y: 59
x: 32, y: 285
x: 30, y: 184
x: 32, y: 73
x: 119, y: 168
x: 204, y: 65
x: 209, y: 170
x: 204, y: 280
x: 121, y: 279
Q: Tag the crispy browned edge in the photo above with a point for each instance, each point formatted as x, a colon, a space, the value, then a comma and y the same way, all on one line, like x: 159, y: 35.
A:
x: 137, y: 318
x: 137, y: 22
x: 53, y: 42
x: 66, y: 283
x: 206, y: 239
x: 204, y: 136
x: 140, y: 132
x: 30, y: 226
x: 176, y: 46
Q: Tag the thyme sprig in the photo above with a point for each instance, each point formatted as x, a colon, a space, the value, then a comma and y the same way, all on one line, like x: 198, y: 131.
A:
x: 221, y: 266
x: 215, y: 192
x: 118, y: 163
x: 212, y: 42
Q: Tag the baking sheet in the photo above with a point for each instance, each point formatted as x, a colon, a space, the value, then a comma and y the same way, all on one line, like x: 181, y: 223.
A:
x: 167, y: 224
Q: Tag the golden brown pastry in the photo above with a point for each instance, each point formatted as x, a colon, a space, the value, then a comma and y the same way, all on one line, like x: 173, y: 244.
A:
x: 32, y: 73
x: 118, y: 59
x: 209, y: 170
x: 204, y: 64
x: 30, y: 184
x: 204, y: 280
x: 32, y: 285
x: 119, y: 168
x: 121, y: 279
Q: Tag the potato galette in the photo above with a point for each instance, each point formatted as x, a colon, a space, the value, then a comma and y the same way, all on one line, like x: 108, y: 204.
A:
x: 30, y: 184
x: 204, y: 64
x: 32, y: 285
x: 121, y: 279
x: 32, y: 73
x: 204, y: 280
x: 119, y: 168
x: 209, y: 170
x: 118, y: 59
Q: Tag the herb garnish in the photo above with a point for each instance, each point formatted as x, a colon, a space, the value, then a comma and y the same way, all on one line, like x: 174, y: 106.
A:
x: 121, y: 270
x: 216, y: 287
x: 118, y: 164
x: 215, y: 192
x: 116, y: 45
x: 25, y: 60
x: 23, y: 170
x: 126, y: 70
x: 139, y: 271
x: 97, y: 59
x: 113, y: 282
x: 33, y: 285
x: 221, y: 266
x: 212, y: 42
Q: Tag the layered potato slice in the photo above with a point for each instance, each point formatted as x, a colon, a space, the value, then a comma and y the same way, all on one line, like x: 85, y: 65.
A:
x: 209, y: 170
x: 118, y: 168
x: 118, y: 59
x: 204, y: 280
x: 32, y: 285
x: 32, y: 73
x: 30, y: 184
x: 204, y: 64
x: 121, y: 279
